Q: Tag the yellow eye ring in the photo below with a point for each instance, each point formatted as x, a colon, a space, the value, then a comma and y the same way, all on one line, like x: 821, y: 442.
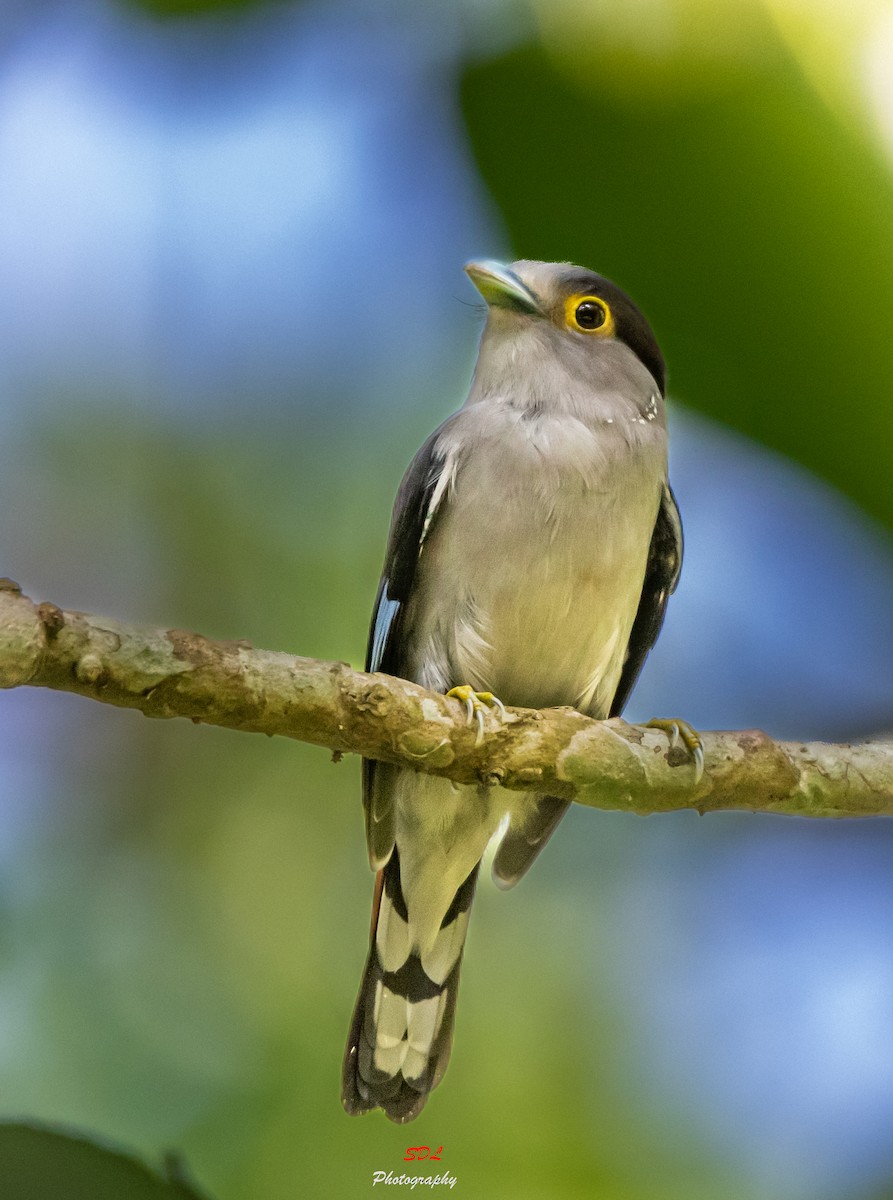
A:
x: 589, y: 314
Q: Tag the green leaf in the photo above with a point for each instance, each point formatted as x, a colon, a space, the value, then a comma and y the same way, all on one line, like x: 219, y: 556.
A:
x: 751, y: 224
x: 42, y: 1163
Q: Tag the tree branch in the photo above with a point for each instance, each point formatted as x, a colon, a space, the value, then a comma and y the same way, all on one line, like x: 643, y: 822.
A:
x: 604, y: 764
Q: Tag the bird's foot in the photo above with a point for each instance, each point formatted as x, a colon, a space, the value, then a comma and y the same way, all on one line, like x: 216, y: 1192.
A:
x: 680, y: 731
x: 475, y: 703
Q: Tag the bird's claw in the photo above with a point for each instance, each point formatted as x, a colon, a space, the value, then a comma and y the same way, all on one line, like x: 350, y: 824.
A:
x: 678, y: 730
x: 475, y: 703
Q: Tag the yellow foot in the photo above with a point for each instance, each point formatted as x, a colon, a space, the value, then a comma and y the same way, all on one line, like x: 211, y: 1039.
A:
x: 475, y: 703
x: 678, y: 730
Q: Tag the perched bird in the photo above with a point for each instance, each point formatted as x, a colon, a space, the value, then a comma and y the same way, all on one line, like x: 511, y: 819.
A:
x: 533, y: 546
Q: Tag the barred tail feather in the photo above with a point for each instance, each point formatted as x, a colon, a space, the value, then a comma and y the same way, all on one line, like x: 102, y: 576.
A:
x: 402, y: 1028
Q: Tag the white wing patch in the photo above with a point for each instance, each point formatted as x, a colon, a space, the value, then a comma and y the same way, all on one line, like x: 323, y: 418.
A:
x: 447, y: 480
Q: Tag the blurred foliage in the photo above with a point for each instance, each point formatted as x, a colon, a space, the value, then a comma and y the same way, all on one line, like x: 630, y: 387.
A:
x: 749, y: 221
x: 39, y: 1163
x: 655, y: 49
x: 185, y: 9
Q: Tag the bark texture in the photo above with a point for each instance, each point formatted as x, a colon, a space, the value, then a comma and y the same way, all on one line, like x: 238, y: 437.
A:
x: 603, y: 764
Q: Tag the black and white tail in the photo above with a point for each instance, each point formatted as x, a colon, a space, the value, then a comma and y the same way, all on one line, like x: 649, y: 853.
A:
x: 402, y: 1029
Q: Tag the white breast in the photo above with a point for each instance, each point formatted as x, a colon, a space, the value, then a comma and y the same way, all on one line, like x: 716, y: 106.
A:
x: 530, y: 578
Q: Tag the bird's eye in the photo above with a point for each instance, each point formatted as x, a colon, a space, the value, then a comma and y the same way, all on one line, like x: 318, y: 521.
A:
x: 590, y: 315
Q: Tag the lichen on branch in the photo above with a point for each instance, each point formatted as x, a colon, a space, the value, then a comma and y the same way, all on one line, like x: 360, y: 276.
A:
x: 604, y: 764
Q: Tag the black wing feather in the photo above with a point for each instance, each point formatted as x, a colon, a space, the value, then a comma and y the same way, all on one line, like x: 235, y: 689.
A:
x: 410, y: 521
x: 412, y: 509
x: 661, y: 577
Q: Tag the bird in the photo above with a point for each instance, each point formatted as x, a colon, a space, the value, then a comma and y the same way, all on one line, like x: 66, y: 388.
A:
x: 534, y: 543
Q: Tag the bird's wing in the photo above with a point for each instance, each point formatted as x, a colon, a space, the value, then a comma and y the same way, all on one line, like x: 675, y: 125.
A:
x: 519, y: 847
x: 661, y: 576
x: 418, y: 499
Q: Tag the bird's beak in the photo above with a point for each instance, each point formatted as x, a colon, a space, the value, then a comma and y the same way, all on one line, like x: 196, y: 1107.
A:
x: 500, y: 286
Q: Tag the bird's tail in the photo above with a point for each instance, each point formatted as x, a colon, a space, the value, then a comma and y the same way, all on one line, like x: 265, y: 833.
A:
x: 402, y: 1029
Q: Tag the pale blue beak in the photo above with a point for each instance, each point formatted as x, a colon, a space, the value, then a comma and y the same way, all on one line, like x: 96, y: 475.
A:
x: 500, y: 286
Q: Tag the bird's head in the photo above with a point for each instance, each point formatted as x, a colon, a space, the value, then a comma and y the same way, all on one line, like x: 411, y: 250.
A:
x: 584, y: 316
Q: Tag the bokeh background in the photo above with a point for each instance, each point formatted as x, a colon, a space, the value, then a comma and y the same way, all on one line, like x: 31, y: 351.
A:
x: 231, y: 307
